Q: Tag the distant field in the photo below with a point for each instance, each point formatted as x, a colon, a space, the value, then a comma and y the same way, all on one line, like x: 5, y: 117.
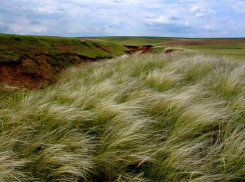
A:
x: 135, y: 41
x: 234, y: 50
x: 234, y: 47
x: 228, y: 47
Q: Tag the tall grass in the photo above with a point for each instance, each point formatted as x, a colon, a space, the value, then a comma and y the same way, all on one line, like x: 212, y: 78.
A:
x: 156, y: 117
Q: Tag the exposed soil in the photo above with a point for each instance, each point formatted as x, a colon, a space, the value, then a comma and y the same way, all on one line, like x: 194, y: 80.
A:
x: 38, y: 73
x: 201, y: 42
x: 169, y: 51
x: 132, y: 49
x: 144, y: 49
x: 35, y: 62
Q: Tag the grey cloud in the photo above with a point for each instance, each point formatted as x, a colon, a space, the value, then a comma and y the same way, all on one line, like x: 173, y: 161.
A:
x: 35, y: 22
x: 9, y: 22
x: 116, y: 26
x: 4, y: 28
x: 173, y: 18
x: 32, y: 15
x: 3, y: 11
x: 170, y: 28
x: 60, y: 9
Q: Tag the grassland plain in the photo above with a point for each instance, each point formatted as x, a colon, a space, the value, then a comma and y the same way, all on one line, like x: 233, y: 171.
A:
x: 233, y: 47
x: 236, y: 50
x: 34, y: 61
x: 134, y: 41
x: 155, y: 117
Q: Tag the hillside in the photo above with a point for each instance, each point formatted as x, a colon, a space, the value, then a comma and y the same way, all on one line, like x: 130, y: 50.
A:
x: 35, y: 61
x: 152, y: 117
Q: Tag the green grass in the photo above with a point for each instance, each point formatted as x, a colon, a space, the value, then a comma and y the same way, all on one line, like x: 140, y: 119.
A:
x: 234, y: 50
x: 14, y: 48
x: 133, y: 41
x: 155, y: 117
x: 158, y: 49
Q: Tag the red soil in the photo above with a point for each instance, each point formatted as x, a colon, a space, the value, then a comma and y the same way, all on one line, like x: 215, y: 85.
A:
x: 144, y: 49
x: 169, y: 51
x: 33, y: 74
x: 28, y: 74
x: 132, y: 48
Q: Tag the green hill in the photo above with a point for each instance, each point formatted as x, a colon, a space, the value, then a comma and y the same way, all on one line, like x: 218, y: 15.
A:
x: 38, y: 59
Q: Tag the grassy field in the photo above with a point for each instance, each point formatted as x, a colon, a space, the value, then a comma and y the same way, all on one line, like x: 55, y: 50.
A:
x: 133, y: 41
x: 155, y: 117
x: 234, y: 50
x: 232, y: 47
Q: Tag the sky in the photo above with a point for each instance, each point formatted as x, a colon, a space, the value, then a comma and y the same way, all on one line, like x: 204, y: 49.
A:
x: 86, y: 18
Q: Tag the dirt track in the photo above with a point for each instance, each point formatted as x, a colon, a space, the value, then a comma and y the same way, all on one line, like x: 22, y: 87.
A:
x: 201, y: 42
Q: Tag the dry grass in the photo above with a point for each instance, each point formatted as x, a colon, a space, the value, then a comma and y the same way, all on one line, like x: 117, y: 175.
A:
x: 175, y: 117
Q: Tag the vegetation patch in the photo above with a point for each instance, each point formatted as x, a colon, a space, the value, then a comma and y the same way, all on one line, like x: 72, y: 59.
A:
x: 232, y: 47
x: 152, y: 117
x: 39, y: 58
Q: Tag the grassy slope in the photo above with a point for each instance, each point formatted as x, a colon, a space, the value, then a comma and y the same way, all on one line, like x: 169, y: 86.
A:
x: 34, y: 61
x: 175, y: 117
x: 15, y: 47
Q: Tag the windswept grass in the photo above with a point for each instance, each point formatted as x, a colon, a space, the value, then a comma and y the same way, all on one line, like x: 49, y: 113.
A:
x: 156, y: 117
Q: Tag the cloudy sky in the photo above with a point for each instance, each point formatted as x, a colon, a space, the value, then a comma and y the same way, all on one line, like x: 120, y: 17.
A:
x: 165, y: 18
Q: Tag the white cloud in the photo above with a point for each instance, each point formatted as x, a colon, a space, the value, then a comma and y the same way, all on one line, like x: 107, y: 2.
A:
x: 201, y: 15
x: 209, y: 27
x: 17, y: 29
x: 195, y: 8
x: 147, y: 15
x: 160, y: 19
x: 206, y: 13
x: 38, y: 30
x: 120, y: 17
x: 211, y: 11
